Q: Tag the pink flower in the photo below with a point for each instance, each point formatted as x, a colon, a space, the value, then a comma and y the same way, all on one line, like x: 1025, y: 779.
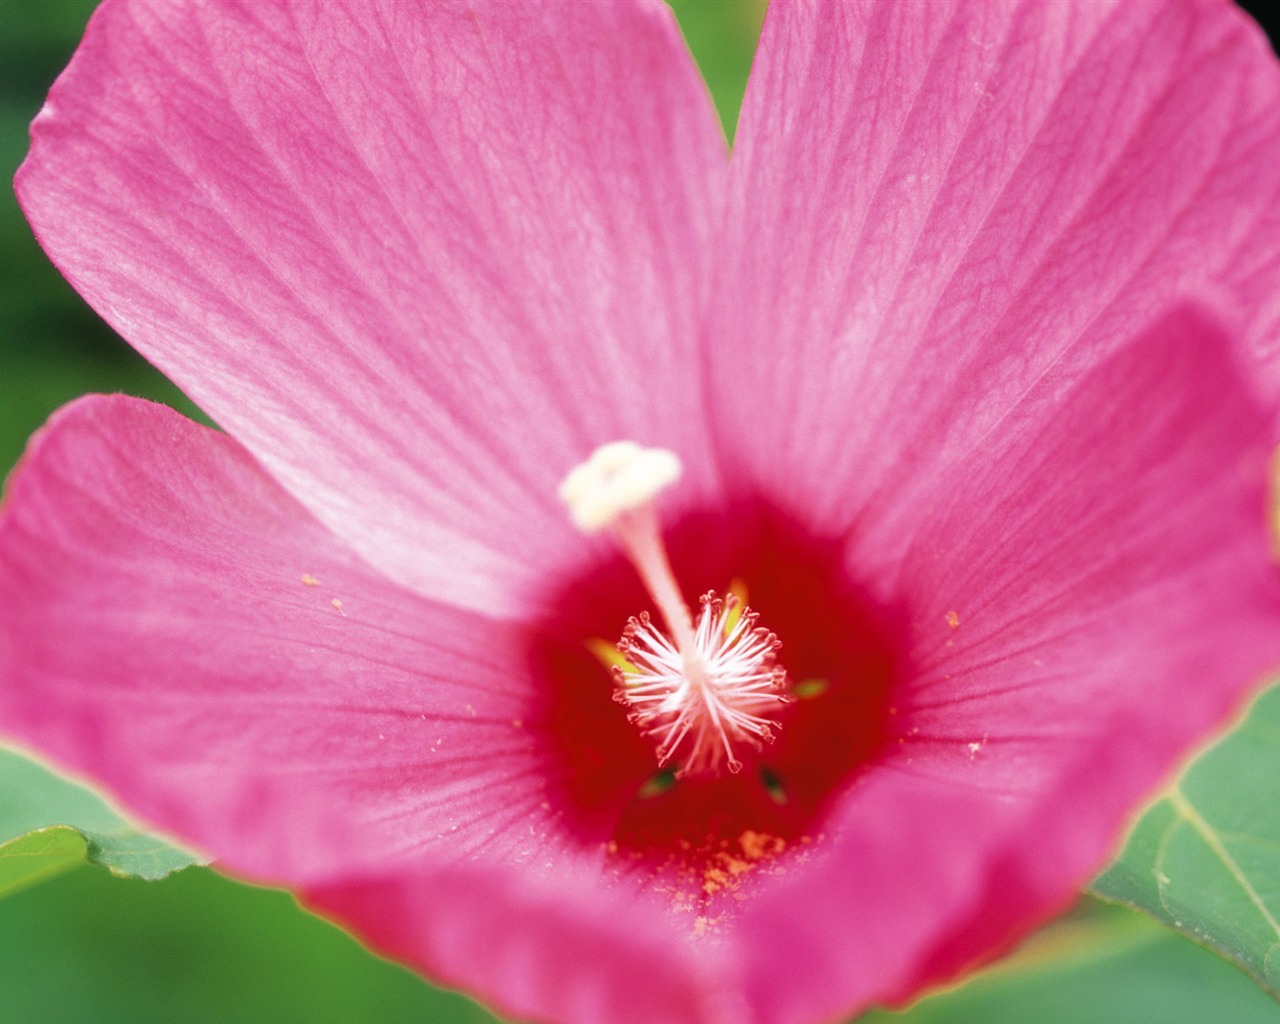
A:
x: 949, y: 355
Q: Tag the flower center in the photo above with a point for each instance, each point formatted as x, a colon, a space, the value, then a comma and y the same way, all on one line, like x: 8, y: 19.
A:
x: 702, y: 691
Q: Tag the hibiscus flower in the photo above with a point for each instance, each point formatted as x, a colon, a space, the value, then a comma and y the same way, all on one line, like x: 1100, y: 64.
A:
x: 956, y: 376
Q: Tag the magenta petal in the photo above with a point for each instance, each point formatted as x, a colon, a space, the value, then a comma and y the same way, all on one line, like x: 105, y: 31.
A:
x: 379, y: 241
x: 933, y: 204
x: 964, y: 411
x: 560, y: 948
x: 191, y: 636
x: 1089, y: 595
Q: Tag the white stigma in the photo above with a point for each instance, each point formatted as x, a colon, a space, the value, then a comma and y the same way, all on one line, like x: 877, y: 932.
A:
x: 619, y: 477
x: 699, y: 691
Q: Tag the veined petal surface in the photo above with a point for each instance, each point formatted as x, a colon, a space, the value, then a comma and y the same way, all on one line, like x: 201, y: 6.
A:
x: 1088, y: 598
x: 419, y: 259
x: 182, y: 630
x: 189, y: 636
x: 933, y: 205
x: 948, y: 332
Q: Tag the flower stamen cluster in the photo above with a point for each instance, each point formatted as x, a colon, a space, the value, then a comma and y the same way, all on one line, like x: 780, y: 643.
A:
x: 731, y: 698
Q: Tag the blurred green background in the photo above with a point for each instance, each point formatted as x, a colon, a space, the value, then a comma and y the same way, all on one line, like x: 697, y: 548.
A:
x: 89, y: 947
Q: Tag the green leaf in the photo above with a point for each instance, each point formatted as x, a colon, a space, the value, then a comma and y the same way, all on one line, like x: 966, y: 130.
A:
x: 1205, y: 857
x: 39, y: 855
x: 722, y: 38
x: 1102, y: 964
x: 49, y: 825
x: 87, y: 948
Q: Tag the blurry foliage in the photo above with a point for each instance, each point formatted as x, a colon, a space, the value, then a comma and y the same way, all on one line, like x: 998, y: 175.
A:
x: 199, y: 947
x: 1099, y: 964
x: 52, y: 346
x: 195, y: 948
x: 1205, y: 857
x: 33, y: 798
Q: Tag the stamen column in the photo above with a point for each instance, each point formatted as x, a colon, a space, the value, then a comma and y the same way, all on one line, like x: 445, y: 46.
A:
x: 718, y: 685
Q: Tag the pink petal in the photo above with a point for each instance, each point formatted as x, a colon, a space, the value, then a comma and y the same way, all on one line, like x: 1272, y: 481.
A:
x: 418, y: 259
x: 560, y: 947
x: 933, y: 205
x: 967, y: 231
x: 185, y: 632
x: 1089, y: 595
x: 191, y: 637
